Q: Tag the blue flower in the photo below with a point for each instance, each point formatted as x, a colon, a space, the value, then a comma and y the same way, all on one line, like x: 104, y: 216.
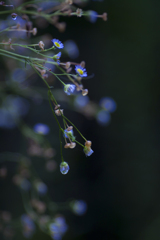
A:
x: 69, y: 88
x: 41, y: 188
x: 79, y: 207
x: 57, y: 57
x: 64, y: 168
x: 88, y: 151
x: 57, y: 43
x: 81, y: 71
x: 58, y: 228
x: 108, y: 103
x: 41, y: 128
x: 92, y: 15
x: 28, y: 226
x: 103, y: 117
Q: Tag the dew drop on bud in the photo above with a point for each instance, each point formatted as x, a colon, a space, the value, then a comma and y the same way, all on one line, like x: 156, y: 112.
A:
x: 14, y: 16
x: 64, y: 168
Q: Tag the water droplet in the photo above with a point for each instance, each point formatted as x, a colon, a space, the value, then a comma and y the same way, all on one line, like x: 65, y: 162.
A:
x: 14, y: 16
x: 64, y: 168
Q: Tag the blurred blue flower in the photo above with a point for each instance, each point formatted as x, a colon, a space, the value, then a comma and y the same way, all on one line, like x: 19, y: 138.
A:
x: 28, y: 226
x: 92, y: 16
x: 18, y: 75
x: 108, y: 103
x: 57, y: 43
x: 103, y: 117
x: 81, y: 101
x: 58, y: 227
x: 12, y: 108
x: 81, y: 71
x: 41, y: 188
x: 71, y: 48
x: 25, y: 184
x: 41, y: 128
x: 79, y: 207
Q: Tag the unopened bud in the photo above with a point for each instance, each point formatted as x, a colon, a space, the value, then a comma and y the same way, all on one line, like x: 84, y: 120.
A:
x: 68, y: 64
x: 34, y: 31
x: 79, y: 88
x: 43, y: 72
x: 57, y: 107
x: 67, y: 145
x: 72, y: 145
x: 84, y: 92
x: 88, y: 143
x: 104, y: 16
x: 41, y: 45
x: 79, y: 12
x: 69, y: 128
x: 83, y: 64
x: 69, y: 2
x: 59, y: 112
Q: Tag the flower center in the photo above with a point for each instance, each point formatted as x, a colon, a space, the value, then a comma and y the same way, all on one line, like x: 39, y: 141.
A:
x: 57, y: 44
x: 80, y: 71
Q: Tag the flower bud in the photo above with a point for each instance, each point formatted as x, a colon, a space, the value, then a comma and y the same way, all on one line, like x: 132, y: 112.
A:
x: 59, y: 112
x: 67, y: 145
x: 84, y: 92
x: 41, y: 45
x: 34, y: 31
x: 104, y: 16
x: 88, y: 143
x: 72, y: 145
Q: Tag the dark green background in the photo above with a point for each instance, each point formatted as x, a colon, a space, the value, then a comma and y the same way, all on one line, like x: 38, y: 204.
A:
x: 121, y: 180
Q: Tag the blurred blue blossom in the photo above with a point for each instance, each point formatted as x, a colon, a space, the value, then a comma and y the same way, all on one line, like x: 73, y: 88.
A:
x: 18, y: 75
x: 28, y: 226
x: 12, y: 108
x: 92, y: 16
x: 79, y: 207
x: 41, y: 128
x: 58, y: 228
x: 103, y: 117
x: 108, y: 103
x: 41, y: 188
x: 71, y: 48
x: 25, y: 184
x: 81, y: 101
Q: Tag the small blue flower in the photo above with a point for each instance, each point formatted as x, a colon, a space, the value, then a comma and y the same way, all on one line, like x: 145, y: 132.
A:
x: 41, y: 128
x: 81, y: 101
x: 57, y: 43
x: 64, y: 168
x: 79, y: 207
x: 58, y: 228
x: 28, y: 226
x: 92, y: 15
x: 69, y: 88
x: 103, y: 117
x: 41, y: 188
x: 25, y: 184
x: 57, y: 57
x: 68, y: 133
x: 81, y: 71
x: 108, y: 103
x: 88, y: 151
